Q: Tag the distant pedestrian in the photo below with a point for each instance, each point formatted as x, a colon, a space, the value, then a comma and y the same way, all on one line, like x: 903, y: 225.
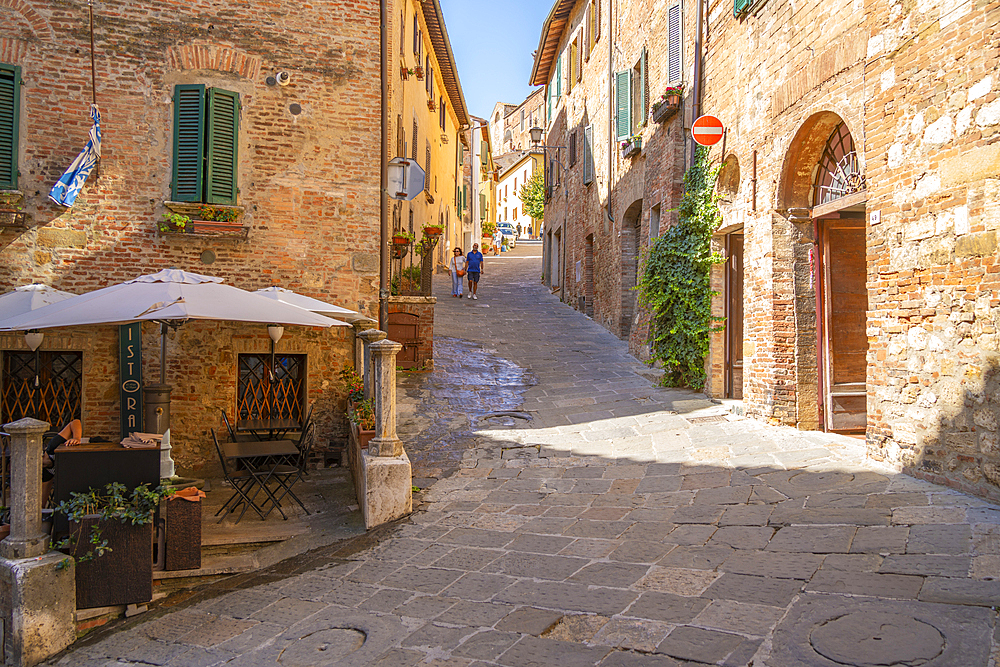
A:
x: 474, y: 265
x: 457, y: 267
x: 519, y: 230
x: 497, y: 240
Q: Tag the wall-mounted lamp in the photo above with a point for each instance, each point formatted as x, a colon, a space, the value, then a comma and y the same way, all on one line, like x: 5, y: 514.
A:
x: 275, y: 331
x: 33, y: 338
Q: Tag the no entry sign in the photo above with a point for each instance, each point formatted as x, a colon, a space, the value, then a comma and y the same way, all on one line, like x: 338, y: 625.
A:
x: 707, y: 130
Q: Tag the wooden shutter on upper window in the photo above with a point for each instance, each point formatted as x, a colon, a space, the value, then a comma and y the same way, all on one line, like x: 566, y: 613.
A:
x: 588, y: 33
x: 597, y: 20
x: 10, y: 103
x: 223, y: 146
x: 643, y: 90
x: 558, y: 78
x: 674, y: 44
x: 623, y: 104
x: 189, y: 142
x: 588, y: 155
x: 579, y: 58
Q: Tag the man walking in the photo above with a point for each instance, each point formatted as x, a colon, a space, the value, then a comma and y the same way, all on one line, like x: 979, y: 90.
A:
x: 475, y: 263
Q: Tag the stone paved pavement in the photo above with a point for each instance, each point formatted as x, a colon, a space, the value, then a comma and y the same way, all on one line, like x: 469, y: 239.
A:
x: 621, y: 525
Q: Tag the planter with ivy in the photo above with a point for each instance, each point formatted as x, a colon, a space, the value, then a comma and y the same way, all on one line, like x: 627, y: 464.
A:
x: 433, y: 230
x: 431, y: 105
x: 631, y: 146
x: 419, y: 72
x: 111, y: 538
x: 204, y: 220
x: 669, y: 103
x: 405, y: 72
x: 403, y: 238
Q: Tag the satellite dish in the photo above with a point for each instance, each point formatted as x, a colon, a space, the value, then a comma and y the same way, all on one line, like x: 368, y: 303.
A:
x: 406, y: 178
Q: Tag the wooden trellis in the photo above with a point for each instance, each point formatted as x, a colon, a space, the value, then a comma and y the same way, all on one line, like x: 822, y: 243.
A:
x: 58, y: 397
x: 261, y: 396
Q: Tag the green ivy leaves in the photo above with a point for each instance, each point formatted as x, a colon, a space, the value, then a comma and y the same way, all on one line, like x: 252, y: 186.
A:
x: 676, y: 281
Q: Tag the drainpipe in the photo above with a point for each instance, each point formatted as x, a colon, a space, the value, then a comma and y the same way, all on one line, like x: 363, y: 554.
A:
x: 383, y: 264
x: 611, y: 111
x: 696, y: 102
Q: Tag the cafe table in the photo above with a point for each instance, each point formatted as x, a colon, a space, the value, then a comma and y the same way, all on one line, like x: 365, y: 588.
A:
x: 275, y: 428
x: 263, y: 456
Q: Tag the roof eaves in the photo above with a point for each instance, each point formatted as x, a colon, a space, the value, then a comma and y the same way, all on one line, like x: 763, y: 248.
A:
x: 434, y: 18
x: 548, y: 42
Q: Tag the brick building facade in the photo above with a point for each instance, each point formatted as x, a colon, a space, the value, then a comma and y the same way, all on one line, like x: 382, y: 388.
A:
x: 600, y: 213
x: 305, y: 185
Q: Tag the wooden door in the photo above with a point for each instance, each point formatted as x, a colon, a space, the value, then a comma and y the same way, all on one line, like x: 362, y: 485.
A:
x: 734, y: 315
x: 843, y: 302
x: 403, y: 328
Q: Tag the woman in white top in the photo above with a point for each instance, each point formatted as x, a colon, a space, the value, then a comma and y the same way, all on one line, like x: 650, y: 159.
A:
x: 458, y: 263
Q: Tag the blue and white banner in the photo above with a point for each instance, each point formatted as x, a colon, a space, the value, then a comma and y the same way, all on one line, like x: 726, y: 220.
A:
x: 66, y: 190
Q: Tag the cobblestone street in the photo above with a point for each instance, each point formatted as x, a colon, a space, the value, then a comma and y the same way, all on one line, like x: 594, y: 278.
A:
x: 572, y: 513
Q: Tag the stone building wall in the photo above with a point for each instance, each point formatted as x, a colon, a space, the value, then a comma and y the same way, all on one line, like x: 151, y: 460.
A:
x: 932, y: 123
x: 308, y: 178
x: 610, y: 250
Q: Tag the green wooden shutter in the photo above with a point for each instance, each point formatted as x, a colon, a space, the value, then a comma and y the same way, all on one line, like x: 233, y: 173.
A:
x: 10, y: 105
x: 548, y: 107
x: 558, y: 78
x: 643, y: 90
x: 482, y: 206
x: 223, y: 146
x: 740, y: 6
x: 189, y: 141
x: 623, y: 99
x: 588, y: 154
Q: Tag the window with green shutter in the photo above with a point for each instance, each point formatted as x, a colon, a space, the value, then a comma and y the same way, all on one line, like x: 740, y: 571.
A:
x: 206, y: 144
x: 10, y: 103
x: 588, y: 155
x: 623, y: 104
x: 741, y: 6
x: 558, y: 78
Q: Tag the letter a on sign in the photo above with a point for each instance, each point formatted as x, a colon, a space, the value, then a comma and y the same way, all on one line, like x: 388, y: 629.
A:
x: 707, y: 130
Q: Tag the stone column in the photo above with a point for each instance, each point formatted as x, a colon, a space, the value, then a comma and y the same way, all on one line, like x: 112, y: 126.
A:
x: 359, y: 352
x: 370, y: 337
x: 26, y: 539
x: 383, y: 362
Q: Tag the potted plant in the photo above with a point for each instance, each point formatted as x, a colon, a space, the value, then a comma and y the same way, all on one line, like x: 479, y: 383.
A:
x: 402, y: 237
x: 431, y: 105
x: 631, y: 146
x: 217, y: 219
x: 405, y: 72
x: 110, y: 536
x: 12, y: 210
x: 433, y: 229
x: 174, y: 223
x: 362, y: 416
x: 668, y: 104
x: 355, y: 386
x: 419, y: 71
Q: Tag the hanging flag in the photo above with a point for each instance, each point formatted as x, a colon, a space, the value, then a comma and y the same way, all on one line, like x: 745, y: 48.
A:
x: 65, y: 191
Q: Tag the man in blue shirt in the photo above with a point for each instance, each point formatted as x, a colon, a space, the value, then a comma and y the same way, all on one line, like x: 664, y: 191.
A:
x: 475, y: 269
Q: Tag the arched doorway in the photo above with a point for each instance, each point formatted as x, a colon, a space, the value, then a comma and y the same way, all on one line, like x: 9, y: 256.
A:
x: 823, y: 197
x: 631, y: 223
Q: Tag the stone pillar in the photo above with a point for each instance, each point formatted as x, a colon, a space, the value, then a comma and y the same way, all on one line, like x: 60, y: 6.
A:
x: 37, y: 586
x: 369, y: 337
x: 383, y: 358
x: 359, y: 351
x: 27, y: 539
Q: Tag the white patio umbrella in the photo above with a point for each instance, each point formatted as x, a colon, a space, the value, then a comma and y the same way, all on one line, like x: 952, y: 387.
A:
x: 315, y: 305
x: 27, y: 298
x: 167, y: 296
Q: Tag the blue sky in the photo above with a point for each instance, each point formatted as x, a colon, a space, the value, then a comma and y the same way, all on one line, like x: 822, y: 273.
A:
x: 492, y: 41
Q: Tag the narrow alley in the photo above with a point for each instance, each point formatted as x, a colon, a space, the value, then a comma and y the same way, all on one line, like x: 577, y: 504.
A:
x: 573, y: 513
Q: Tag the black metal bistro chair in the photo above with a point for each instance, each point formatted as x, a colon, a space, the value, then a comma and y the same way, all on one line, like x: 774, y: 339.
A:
x: 286, y: 476
x: 233, y: 436
x: 243, y: 482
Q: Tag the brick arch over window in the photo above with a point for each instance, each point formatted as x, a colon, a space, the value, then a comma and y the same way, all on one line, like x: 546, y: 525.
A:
x: 39, y: 26
x: 213, y: 57
x: 804, y: 153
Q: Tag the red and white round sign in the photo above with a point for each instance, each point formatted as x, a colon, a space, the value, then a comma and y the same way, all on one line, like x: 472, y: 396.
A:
x: 707, y: 130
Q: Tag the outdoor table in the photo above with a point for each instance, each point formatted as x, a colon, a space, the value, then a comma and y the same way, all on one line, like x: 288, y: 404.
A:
x: 275, y: 427
x: 269, y: 455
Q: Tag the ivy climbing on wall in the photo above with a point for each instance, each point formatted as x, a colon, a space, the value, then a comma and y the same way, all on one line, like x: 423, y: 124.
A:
x: 676, y: 281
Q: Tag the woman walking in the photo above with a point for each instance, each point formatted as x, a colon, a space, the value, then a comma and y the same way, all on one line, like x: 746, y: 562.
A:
x: 457, y: 267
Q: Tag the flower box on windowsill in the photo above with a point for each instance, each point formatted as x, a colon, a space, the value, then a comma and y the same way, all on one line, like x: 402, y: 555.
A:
x: 666, y: 110
x: 632, y: 147
x: 12, y: 215
x: 419, y: 73
x: 431, y: 105
x: 196, y: 226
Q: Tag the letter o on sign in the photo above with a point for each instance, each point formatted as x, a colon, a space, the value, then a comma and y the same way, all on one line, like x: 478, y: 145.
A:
x: 707, y: 130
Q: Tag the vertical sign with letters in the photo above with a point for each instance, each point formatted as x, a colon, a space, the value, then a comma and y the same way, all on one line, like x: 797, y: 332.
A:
x: 130, y: 365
